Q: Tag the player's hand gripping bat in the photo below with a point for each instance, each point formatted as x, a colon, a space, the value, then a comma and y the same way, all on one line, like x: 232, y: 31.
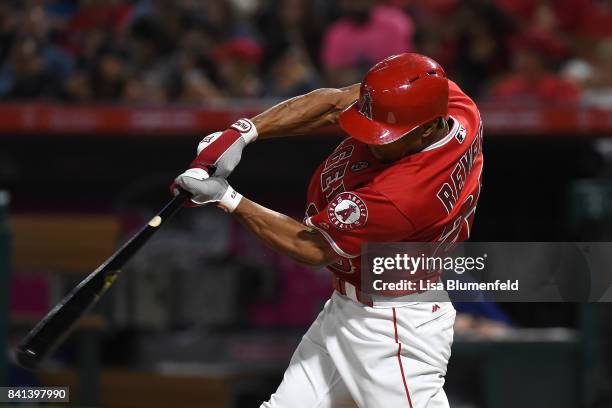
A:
x: 59, y: 322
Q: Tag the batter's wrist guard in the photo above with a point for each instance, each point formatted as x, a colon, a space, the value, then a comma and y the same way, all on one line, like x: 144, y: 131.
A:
x: 246, y: 128
x: 230, y: 200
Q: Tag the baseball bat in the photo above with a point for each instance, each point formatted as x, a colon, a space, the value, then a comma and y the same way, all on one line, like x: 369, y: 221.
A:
x: 49, y: 333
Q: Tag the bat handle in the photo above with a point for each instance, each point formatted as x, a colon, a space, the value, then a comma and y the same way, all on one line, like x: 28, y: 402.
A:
x: 179, y: 200
x: 183, y: 195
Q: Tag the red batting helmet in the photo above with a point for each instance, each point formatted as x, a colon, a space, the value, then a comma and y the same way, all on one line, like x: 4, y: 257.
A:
x: 397, y: 95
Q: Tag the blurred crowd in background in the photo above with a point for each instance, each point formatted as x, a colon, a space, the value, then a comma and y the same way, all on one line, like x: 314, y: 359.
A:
x: 191, y: 51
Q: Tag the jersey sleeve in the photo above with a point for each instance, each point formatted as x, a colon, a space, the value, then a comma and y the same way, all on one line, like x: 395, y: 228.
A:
x: 360, y: 216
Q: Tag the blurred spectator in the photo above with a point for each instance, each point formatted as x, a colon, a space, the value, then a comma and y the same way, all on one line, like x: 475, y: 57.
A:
x: 291, y: 24
x: 195, y: 86
x: 366, y: 33
x: 222, y: 18
x: 553, y: 16
x: 33, y: 66
x: 237, y: 62
x: 150, y: 48
x: 107, y: 15
x: 27, y: 75
x: 38, y: 26
x: 291, y: 75
x: 8, y: 24
x: 438, y: 29
x: 599, y: 85
x: 482, y: 53
x: 531, y: 79
x: 595, y: 20
x: 109, y: 76
x: 77, y: 88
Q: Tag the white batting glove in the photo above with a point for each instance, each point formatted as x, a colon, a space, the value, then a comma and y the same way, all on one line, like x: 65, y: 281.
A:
x: 208, y: 190
x: 223, y: 150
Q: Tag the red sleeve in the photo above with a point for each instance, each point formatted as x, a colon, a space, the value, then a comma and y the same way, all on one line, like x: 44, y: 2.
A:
x: 360, y: 216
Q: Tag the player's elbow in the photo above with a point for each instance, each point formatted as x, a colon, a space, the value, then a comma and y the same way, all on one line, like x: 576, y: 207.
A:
x: 313, y: 261
x: 312, y: 250
x: 336, y: 98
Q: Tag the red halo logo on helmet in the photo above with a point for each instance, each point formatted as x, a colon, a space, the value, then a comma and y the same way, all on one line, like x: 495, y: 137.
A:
x: 365, y: 104
x: 347, y: 211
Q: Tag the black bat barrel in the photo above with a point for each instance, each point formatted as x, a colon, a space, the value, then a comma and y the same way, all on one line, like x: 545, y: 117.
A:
x: 49, y: 333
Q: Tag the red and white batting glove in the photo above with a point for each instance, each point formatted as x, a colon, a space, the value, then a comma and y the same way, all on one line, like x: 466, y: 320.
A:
x: 220, y: 152
x: 208, y: 190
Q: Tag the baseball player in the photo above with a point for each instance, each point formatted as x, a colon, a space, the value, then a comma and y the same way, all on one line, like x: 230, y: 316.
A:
x: 410, y: 171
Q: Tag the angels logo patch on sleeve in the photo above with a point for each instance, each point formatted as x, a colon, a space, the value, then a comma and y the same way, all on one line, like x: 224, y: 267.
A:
x: 347, y: 211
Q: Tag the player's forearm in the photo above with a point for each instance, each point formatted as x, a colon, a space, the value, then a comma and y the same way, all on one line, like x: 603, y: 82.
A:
x: 284, y: 234
x: 305, y: 113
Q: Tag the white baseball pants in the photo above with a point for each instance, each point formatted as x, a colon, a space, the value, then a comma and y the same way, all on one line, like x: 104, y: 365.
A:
x: 370, y: 357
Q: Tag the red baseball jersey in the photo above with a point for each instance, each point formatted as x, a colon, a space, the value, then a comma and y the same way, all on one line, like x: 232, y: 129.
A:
x: 429, y: 196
